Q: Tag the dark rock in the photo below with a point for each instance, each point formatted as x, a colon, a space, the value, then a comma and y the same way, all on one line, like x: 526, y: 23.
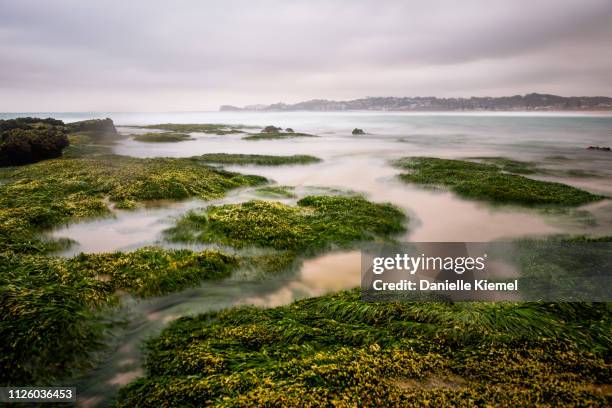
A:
x: 96, y: 127
x: 358, y: 131
x: 271, y: 129
x: 29, y: 140
x: 600, y: 148
x: 289, y: 130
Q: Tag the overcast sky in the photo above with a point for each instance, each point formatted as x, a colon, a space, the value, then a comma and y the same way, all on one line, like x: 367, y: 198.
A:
x: 61, y: 55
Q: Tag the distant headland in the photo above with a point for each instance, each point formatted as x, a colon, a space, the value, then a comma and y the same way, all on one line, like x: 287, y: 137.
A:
x: 529, y: 102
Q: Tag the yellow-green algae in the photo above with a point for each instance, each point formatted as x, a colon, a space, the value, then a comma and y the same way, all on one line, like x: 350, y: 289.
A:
x: 315, y: 223
x: 337, y: 350
x: 52, y: 307
x: 276, y: 135
x: 256, y: 159
x: 276, y: 192
x: 492, y: 181
x: 162, y: 137
x: 211, y: 128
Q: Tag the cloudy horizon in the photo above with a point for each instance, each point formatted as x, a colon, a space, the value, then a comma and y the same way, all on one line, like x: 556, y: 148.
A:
x: 68, y: 55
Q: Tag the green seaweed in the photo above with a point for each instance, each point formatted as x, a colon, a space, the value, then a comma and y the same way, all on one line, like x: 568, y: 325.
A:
x: 486, y: 181
x: 510, y: 165
x: 524, y: 167
x: 84, y: 144
x: 211, y: 128
x: 337, y: 350
x: 164, y: 137
x: 276, y: 192
x: 314, y: 224
x: 52, y: 308
x: 269, y: 265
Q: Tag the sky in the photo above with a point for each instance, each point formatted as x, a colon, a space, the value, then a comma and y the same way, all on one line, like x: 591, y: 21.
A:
x: 194, y: 55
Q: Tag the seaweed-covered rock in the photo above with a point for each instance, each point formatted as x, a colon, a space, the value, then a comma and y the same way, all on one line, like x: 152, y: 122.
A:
x: 29, y: 140
x: 271, y: 129
x: 163, y: 137
x: 492, y: 181
x: 336, y: 350
x: 316, y: 223
x: 358, y: 131
x: 95, y: 127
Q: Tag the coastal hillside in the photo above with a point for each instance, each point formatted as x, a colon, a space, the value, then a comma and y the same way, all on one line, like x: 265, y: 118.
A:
x: 529, y: 102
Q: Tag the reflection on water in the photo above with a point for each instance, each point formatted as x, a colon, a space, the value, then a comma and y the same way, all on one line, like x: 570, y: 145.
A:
x: 327, y: 273
x: 125, y: 231
x: 357, y: 163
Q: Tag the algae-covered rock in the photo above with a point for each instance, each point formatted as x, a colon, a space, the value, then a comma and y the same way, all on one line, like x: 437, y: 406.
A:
x: 163, y: 137
x: 314, y: 224
x: 271, y: 129
x: 256, y: 159
x: 29, y: 140
x: 100, y: 128
x: 336, y: 350
x: 492, y: 181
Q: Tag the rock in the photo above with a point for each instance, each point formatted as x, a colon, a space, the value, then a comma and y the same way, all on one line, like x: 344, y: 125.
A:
x: 29, y: 140
x: 271, y: 129
x: 358, y: 131
x: 600, y: 148
x: 96, y: 127
x: 289, y: 130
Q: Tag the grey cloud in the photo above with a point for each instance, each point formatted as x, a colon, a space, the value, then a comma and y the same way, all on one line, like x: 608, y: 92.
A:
x: 262, y: 51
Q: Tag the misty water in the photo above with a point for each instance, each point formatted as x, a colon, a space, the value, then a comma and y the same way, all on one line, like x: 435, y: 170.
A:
x: 359, y: 164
